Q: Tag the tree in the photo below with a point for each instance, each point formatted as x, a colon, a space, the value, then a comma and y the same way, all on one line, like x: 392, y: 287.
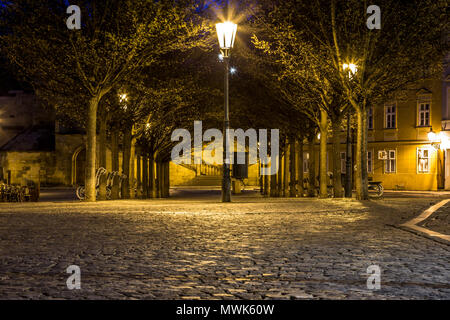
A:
x: 409, y: 47
x: 86, y: 64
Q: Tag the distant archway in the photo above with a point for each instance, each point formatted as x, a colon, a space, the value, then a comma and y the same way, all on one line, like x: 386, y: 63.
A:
x: 79, y: 166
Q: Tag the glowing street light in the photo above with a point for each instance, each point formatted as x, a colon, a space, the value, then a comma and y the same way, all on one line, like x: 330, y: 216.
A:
x: 123, y: 97
x: 351, y: 67
x: 226, y: 34
x: 432, y: 136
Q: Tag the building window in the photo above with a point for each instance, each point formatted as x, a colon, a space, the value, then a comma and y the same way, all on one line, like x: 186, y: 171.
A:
x: 390, y: 116
x: 305, y: 162
x: 369, y: 161
x: 370, y: 119
x: 343, y: 162
x: 424, y: 114
x: 391, y: 165
x: 423, y: 160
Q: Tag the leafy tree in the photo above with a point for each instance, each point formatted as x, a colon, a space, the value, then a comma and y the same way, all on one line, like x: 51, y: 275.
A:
x: 116, y: 39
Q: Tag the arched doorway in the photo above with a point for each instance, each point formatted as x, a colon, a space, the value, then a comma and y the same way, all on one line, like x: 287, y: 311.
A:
x: 79, y: 167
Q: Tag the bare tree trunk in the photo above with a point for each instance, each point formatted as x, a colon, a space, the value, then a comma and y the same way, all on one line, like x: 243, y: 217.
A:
x: 167, y: 179
x: 273, y: 184
x: 280, y: 179
x: 311, y: 168
x: 292, y: 186
x: 91, y: 149
x: 151, y: 172
x: 337, y: 182
x: 139, y: 173
x: 359, y: 147
x: 266, y: 185
x: 323, y: 154
x: 286, y: 169
x: 132, y: 179
x: 158, y: 179
x: 145, y: 190
x: 115, y: 150
x: 126, y: 163
x: 102, y: 160
x: 300, y: 187
x: 115, y: 163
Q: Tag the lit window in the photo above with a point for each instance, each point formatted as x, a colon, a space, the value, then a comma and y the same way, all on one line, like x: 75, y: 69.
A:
x: 390, y: 117
x: 423, y: 160
x: 370, y: 119
x: 343, y: 162
x: 391, y: 162
x: 424, y: 114
x: 369, y: 161
x: 306, y: 162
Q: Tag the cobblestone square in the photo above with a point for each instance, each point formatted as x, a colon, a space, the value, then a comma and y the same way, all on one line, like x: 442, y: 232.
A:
x: 253, y: 248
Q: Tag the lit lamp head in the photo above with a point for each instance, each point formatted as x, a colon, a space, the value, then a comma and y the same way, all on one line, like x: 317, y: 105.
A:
x: 123, y: 97
x: 351, y: 67
x: 434, y: 139
x: 226, y: 33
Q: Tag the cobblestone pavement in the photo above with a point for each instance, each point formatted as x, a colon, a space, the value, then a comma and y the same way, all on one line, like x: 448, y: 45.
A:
x: 253, y: 248
x: 439, y: 221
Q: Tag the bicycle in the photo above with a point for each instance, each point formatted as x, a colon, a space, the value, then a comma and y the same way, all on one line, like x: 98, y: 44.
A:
x: 81, y: 190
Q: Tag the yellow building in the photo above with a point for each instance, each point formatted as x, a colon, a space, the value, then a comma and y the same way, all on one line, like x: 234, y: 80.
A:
x: 400, y: 152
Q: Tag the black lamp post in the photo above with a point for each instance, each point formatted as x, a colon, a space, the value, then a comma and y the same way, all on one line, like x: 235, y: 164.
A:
x: 226, y: 33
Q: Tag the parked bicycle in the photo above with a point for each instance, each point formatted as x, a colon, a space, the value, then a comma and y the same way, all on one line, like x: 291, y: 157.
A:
x: 16, y: 193
x: 376, y: 189
x: 80, y: 192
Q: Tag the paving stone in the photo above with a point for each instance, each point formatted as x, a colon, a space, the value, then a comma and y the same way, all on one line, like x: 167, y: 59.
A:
x: 250, y: 249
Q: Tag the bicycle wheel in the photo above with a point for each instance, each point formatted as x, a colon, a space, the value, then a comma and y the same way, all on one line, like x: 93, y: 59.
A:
x: 81, y: 193
x: 108, y: 193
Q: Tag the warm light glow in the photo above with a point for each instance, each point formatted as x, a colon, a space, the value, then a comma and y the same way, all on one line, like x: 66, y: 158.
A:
x: 445, y: 141
x: 353, y: 68
x: 123, y: 97
x: 226, y: 33
x: 432, y: 136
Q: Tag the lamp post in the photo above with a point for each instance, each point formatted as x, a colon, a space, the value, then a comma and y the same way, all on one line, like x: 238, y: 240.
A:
x: 352, y: 69
x: 226, y: 34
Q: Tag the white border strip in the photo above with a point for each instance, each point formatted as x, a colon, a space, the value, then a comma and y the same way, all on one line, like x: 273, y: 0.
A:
x: 412, y: 224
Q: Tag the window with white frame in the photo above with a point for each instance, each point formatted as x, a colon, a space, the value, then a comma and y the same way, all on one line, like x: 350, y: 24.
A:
x: 391, y: 162
x: 305, y: 162
x: 423, y: 160
x: 370, y: 161
x: 391, y: 114
x: 370, y: 119
x: 343, y: 162
x: 424, y: 114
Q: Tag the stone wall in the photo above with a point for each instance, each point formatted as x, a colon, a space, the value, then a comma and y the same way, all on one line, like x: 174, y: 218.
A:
x: 25, y: 166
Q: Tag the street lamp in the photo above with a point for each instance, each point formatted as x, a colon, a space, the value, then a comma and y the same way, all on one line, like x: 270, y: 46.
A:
x: 226, y: 34
x: 352, y: 69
